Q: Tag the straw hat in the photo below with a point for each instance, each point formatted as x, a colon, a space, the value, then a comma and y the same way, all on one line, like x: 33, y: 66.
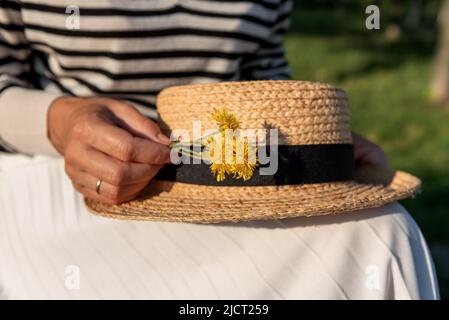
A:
x: 315, y: 175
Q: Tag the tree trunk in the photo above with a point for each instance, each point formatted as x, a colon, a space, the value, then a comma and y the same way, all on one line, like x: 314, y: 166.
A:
x: 440, y: 84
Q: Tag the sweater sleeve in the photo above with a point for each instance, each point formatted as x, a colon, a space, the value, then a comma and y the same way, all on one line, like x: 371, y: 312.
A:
x: 23, y: 108
x: 269, y: 61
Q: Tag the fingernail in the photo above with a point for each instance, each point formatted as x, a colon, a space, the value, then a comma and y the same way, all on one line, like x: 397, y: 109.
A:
x: 163, y: 138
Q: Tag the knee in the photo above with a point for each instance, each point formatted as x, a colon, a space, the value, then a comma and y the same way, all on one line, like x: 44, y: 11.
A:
x: 392, y: 219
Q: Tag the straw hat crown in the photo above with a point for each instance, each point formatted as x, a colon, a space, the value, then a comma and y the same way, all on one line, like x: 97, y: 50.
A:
x: 303, y: 112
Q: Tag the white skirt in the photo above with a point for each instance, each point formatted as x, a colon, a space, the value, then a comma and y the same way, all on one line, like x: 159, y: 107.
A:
x: 52, y: 248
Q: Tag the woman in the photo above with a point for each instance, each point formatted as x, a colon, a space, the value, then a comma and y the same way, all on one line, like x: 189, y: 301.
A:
x: 83, y: 87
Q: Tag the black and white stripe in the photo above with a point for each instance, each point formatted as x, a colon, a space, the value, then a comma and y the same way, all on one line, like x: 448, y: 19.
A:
x: 133, y: 49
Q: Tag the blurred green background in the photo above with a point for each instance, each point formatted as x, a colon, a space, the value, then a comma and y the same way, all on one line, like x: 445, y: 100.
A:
x: 387, y: 76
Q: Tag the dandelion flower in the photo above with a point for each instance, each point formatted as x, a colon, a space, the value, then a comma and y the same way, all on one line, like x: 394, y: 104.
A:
x: 245, y: 160
x: 225, y: 120
x: 228, y: 152
x: 240, y: 162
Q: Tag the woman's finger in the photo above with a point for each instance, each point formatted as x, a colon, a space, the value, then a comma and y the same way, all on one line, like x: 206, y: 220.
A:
x: 136, y: 123
x: 93, y: 195
x: 109, y: 169
x: 102, y: 134
x: 119, y: 193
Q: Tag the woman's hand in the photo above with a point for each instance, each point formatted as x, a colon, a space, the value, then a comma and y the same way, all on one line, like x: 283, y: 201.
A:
x: 109, y: 140
x: 367, y: 153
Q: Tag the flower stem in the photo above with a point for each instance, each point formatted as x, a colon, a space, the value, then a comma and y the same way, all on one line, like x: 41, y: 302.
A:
x: 194, y: 142
x: 189, y: 152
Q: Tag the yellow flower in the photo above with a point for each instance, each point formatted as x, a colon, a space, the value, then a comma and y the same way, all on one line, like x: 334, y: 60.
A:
x: 215, y: 147
x: 245, y: 160
x: 225, y: 120
x: 229, y: 153
x: 240, y: 162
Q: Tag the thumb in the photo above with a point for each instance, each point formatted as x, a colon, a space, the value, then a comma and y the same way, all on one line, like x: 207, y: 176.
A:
x: 134, y: 122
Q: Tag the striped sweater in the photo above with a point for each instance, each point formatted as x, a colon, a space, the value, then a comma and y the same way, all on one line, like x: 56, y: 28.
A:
x: 127, y: 49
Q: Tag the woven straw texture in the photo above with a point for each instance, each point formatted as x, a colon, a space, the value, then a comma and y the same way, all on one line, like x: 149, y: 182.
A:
x: 304, y: 113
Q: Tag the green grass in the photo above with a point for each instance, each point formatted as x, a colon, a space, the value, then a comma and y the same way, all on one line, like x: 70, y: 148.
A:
x: 388, y: 86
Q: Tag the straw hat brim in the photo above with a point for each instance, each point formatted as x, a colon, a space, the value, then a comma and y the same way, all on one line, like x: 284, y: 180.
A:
x: 181, y: 202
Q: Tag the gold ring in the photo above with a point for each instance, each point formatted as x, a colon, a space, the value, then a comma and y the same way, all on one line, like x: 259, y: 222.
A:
x: 97, y: 189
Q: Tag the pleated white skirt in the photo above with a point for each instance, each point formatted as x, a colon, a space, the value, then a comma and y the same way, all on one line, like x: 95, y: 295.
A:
x: 51, y: 247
